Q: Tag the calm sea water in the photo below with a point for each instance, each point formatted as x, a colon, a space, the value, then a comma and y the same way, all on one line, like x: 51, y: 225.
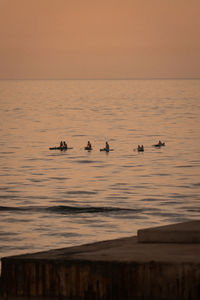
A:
x: 51, y: 199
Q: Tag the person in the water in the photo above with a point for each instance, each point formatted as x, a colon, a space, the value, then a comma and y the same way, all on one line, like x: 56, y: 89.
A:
x: 107, y: 147
x: 140, y: 148
x: 64, y: 145
x: 61, y: 144
x: 89, y: 145
x: 161, y: 143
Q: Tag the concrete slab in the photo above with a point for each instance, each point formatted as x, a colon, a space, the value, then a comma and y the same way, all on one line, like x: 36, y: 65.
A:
x: 123, y: 250
x: 187, y: 233
x: 120, y: 269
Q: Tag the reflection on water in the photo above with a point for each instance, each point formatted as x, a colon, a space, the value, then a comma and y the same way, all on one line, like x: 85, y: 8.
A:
x: 51, y: 199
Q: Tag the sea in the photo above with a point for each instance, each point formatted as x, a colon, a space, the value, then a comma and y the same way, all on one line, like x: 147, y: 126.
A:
x: 54, y: 199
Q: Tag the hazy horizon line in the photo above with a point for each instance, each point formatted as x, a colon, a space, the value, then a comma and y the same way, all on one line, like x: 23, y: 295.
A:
x: 139, y: 78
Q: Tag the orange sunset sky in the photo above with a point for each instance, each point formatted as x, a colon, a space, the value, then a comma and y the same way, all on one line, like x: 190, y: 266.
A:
x: 91, y: 39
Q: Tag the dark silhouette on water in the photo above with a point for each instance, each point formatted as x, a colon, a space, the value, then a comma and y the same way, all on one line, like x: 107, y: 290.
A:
x: 89, y: 146
x: 140, y: 148
x: 63, y: 147
x: 159, y: 144
x: 107, y: 148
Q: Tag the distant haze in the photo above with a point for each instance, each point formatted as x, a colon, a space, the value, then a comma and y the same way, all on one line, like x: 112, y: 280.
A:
x: 92, y: 39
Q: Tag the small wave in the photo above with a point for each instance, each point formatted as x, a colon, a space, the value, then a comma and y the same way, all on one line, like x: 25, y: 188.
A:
x: 4, y: 188
x: 35, y: 180
x: 7, y: 234
x: 11, y: 208
x: 81, y: 193
x: 196, y: 184
x: 85, y: 161
x: 63, y: 234
x: 194, y: 210
x: 180, y: 196
x: 9, y: 196
x: 161, y: 174
x: 166, y: 214
x: 117, y: 197
x: 119, y: 183
x: 7, y: 152
x: 63, y: 209
x: 184, y: 166
x: 150, y: 199
x: 59, y: 178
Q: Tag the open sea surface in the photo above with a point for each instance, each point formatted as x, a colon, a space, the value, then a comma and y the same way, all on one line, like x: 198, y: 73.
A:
x: 53, y: 199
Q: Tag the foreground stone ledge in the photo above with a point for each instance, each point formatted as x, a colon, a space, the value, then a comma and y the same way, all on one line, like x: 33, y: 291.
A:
x: 188, y: 232
x: 121, y: 269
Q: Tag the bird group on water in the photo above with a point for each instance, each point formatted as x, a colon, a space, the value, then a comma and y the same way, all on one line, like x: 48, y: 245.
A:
x: 63, y: 146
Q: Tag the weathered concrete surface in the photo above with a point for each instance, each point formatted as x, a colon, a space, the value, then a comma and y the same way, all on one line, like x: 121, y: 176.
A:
x: 188, y: 232
x: 121, y: 269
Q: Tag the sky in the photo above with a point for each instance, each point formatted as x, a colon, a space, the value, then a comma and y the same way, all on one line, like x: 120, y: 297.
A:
x: 99, y: 39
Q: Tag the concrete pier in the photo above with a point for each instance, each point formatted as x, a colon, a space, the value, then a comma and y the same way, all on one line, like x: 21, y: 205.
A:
x: 129, y: 268
x: 176, y: 233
